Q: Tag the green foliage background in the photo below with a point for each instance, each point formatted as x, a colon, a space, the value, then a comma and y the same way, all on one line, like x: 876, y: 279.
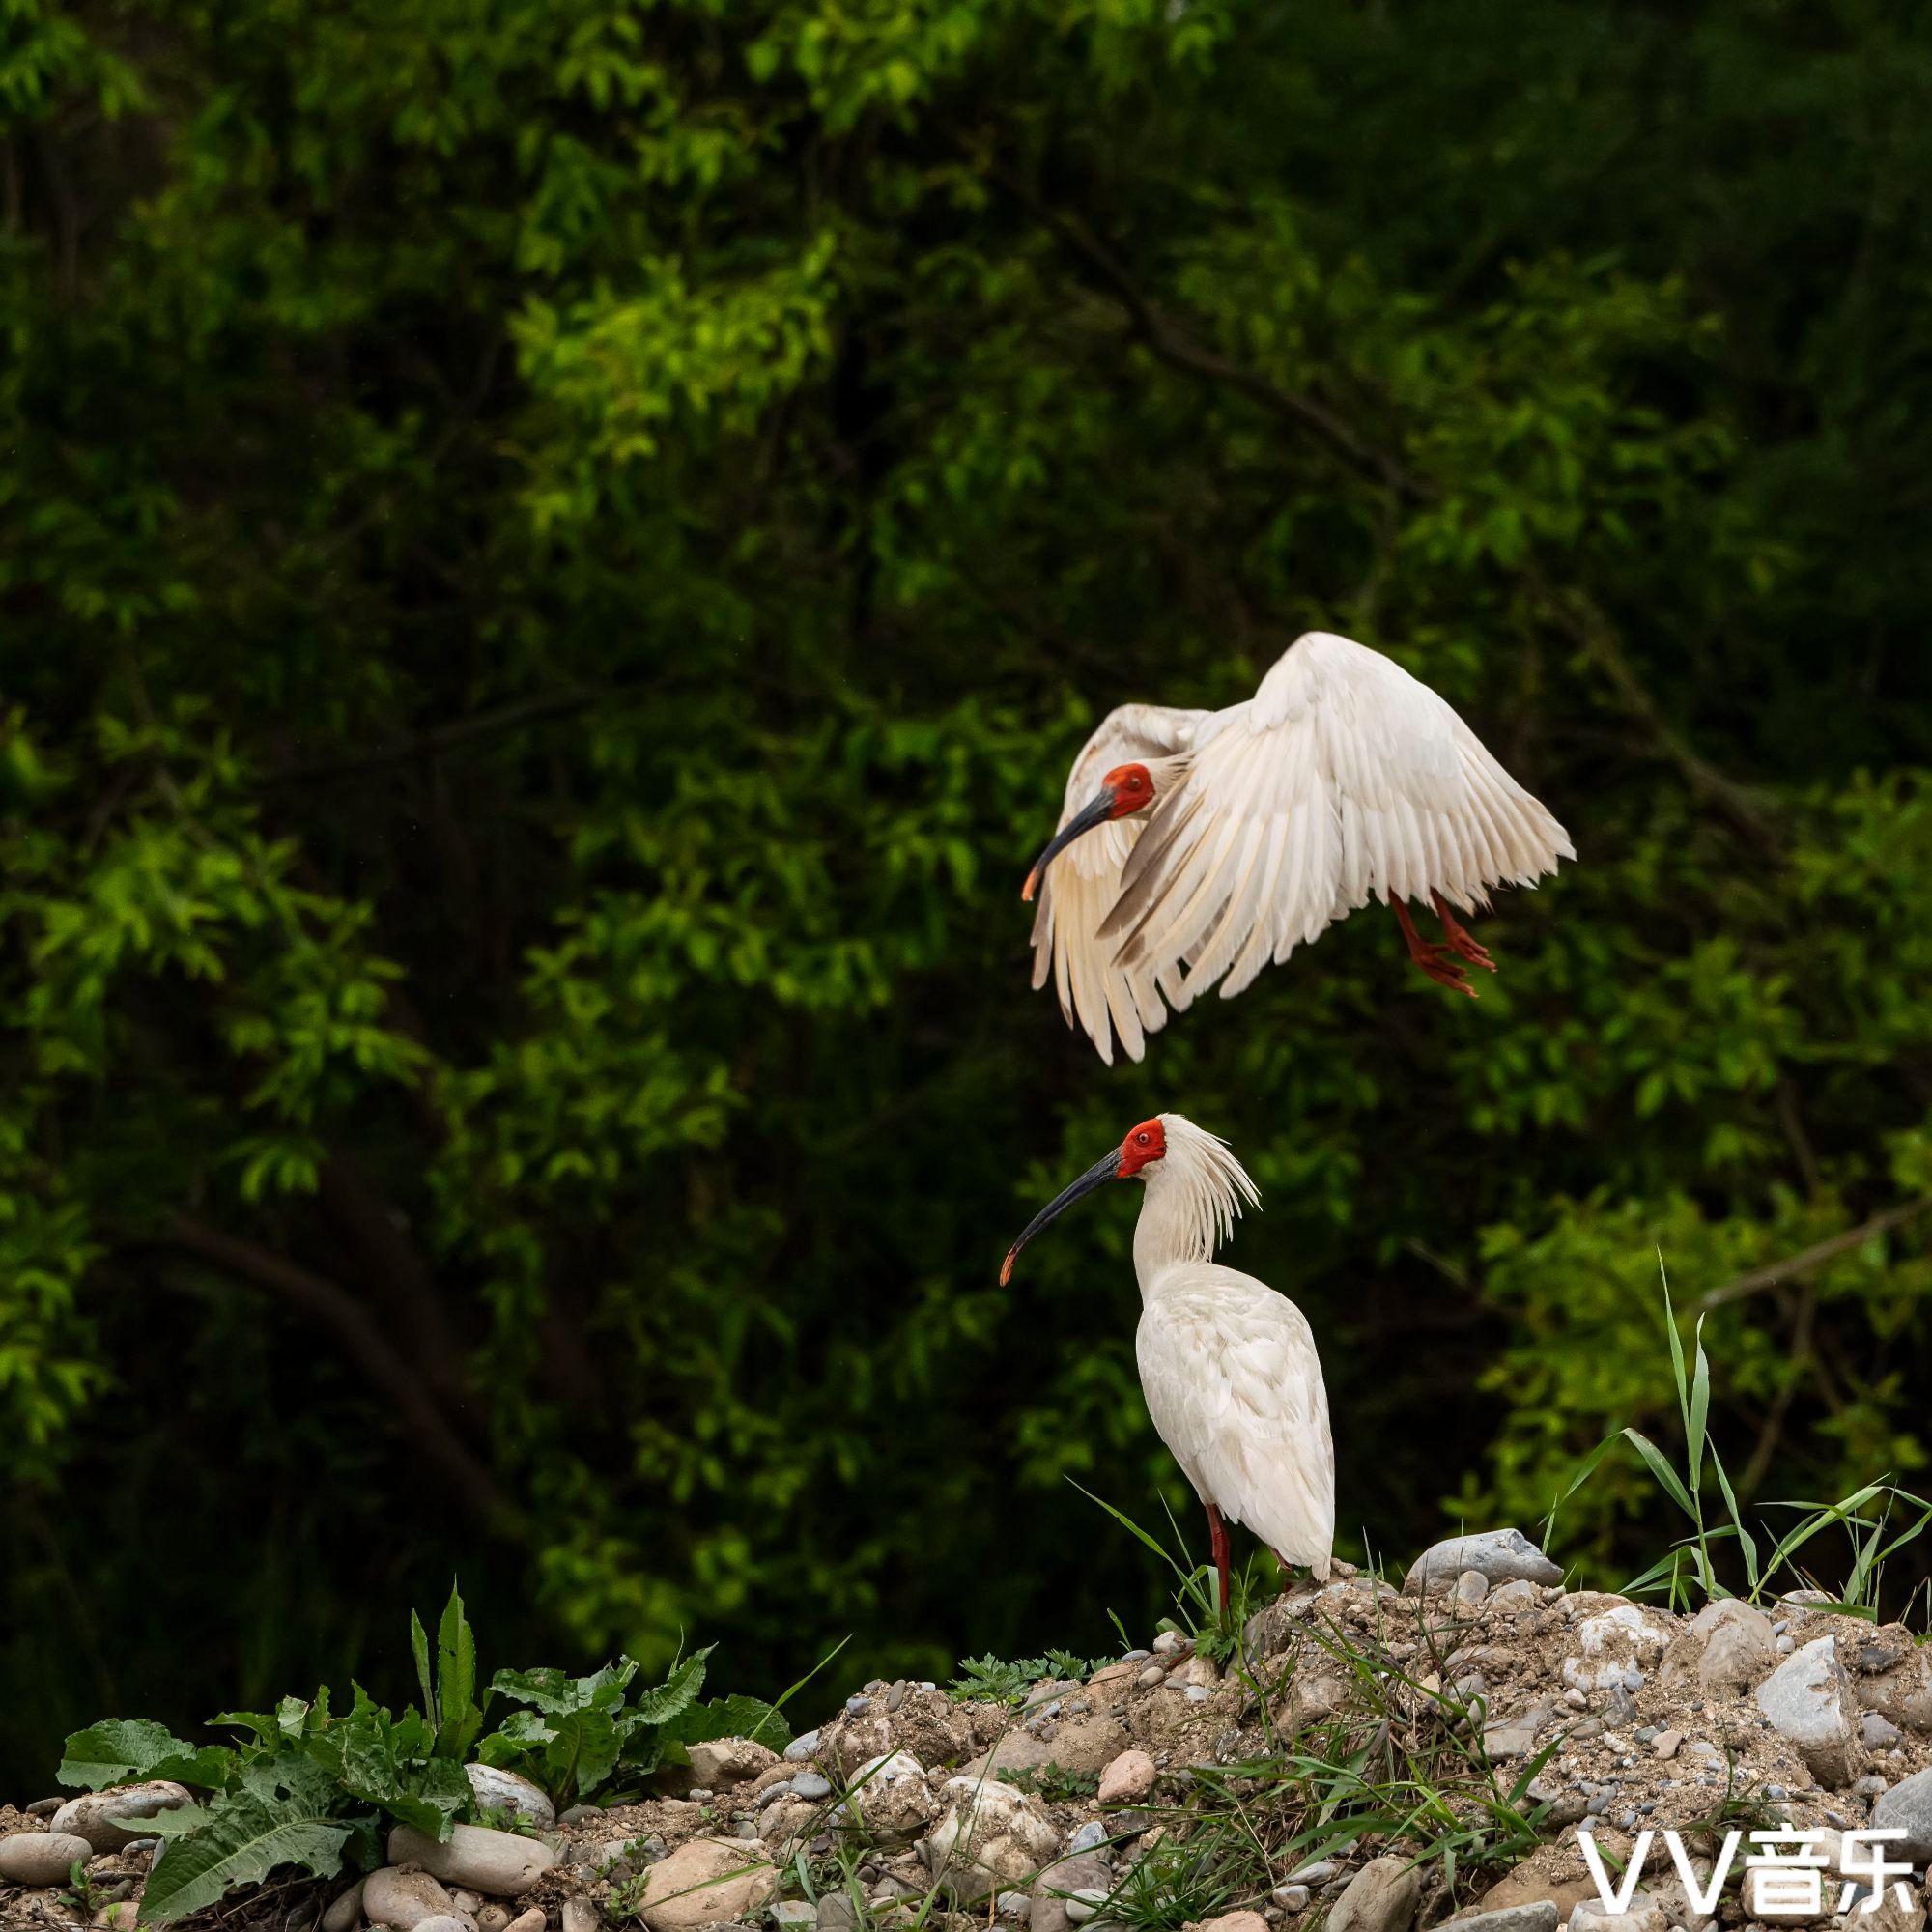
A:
x: 553, y: 555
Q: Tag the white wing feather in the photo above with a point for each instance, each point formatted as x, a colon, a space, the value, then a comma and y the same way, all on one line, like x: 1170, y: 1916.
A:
x: 1235, y: 1388
x: 1079, y: 888
x: 1343, y: 779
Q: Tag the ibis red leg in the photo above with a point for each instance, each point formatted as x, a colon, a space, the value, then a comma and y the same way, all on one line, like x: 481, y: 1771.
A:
x: 1433, y: 960
x: 1457, y: 938
x: 1218, y: 1538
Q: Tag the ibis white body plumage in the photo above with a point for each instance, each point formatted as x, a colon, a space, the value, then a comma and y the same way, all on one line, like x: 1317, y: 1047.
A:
x: 1227, y: 1366
x: 1195, y: 847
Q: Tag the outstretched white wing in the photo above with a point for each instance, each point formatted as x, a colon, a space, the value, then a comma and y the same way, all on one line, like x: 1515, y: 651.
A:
x: 1235, y: 1388
x: 1340, y: 779
x: 1078, y: 889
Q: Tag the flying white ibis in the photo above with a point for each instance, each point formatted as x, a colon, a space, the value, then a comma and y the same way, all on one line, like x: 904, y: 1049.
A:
x: 1227, y: 1366
x: 1197, y: 845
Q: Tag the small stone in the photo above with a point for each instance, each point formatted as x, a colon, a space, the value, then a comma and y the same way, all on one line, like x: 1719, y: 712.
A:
x: 493, y: 1917
x: 723, y: 1762
x: 1127, y: 1779
x: 857, y: 1707
x: 1515, y: 1597
x: 1318, y: 1873
x: 794, y: 1911
x: 1880, y: 1733
x: 1168, y: 1642
x: 896, y: 1695
x: 1090, y: 1838
x: 836, y: 1913
x: 498, y: 1790
x: 703, y: 1881
x: 402, y: 1901
x: 801, y: 1747
x: 45, y: 1807
x: 1665, y: 1742
x: 442, y: 1921
x: 1083, y: 1904
x: 1808, y: 1699
x: 110, y: 1820
x: 1381, y: 1898
x: 1235, y: 1921
x: 1869, y: 1787
x: 579, y: 1915
x: 699, y: 1794
x: 1501, y: 1555
x: 1538, y: 1915
x: 41, y: 1858
x: 581, y: 1815
x: 1908, y: 1804
x: 1154, y: 1675
x: 812, y: 1784
x: 1012, y: 1905
x: 532, y: 1920
x: 1787, y: 1645
x: 1196, y: 1694
x: 502, y: 1863
x: 345, y: 1910
x: 1292, y: 1898
x: 1471, y: 1587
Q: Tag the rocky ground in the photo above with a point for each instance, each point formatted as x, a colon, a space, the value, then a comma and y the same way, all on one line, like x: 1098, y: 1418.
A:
x: 1369, y: 1762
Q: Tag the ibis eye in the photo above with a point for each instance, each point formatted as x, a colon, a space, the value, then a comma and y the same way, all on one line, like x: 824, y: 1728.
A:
x: 1142, y: 1138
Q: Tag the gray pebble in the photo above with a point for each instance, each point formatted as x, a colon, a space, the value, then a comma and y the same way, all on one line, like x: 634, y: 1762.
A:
x: 45, y: 1807
x: 801, y: 1747
x: 1318, y: 1873
x: 1290, y: 1897
x: 1136, y: 1656
x: 811, y: 1784
x: 857, y: 1707
x: 1090, y: 1836
x: 1196, y: 1694
x: 1154, y: 1675
x: 1775, y: 1791
x: 772, y: 1793
x: 896, y: 1695
x: 1013, y: 1905
x: 794, y: 1911
x: 698, y: 1794
x: 1083, y: 1904
x: 581, y: 1814
x: 1870, y: 1787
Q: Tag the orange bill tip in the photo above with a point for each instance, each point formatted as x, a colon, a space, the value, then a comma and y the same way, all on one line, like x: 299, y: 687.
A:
x: 1032, y: 885
x: 1007, y: 1269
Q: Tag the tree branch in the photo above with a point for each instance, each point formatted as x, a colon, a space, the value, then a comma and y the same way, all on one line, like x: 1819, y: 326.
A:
x: 364, y: 1343
x: 1173, y: 346
x: 1806, y: 1260
x: 425, y: 744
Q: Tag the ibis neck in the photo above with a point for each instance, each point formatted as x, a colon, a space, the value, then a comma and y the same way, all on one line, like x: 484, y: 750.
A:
x: 1168, y: 1236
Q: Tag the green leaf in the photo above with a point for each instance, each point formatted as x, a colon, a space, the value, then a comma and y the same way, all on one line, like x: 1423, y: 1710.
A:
x: 122, y: 1750
x: 285, y: 1820
x: 1652, y: 1456
x: 549, y: 1691
x: 580, y: 1755
x: 419, y: 1643
x: 459, y: 1719
x: 680, y: 1688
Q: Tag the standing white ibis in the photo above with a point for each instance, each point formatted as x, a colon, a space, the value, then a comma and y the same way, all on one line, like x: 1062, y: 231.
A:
x: 1227, y: 1366
x: 1195, y: 846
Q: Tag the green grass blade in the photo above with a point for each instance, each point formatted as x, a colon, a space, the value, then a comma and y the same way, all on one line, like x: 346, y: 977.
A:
x: 1665, y: 1475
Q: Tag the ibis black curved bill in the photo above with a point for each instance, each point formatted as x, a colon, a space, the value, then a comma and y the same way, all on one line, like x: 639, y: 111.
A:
x: 1107, y: 1167
x: 1087, y: 819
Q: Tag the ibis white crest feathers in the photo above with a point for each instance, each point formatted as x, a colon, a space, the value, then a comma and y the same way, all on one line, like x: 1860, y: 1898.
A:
x: 1194, y: 1197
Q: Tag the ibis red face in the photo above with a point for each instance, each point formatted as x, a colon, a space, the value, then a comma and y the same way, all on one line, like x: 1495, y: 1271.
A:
x: 1126, y: 791
x: 1147, y: 1143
